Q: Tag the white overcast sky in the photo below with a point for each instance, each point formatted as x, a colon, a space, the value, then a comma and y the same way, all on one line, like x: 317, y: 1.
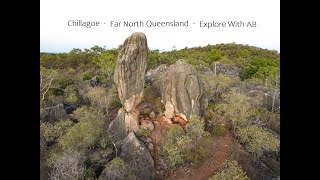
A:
x: 57, y: 36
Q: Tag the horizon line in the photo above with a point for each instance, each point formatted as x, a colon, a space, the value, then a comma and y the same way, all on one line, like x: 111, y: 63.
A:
x: 161, y: 50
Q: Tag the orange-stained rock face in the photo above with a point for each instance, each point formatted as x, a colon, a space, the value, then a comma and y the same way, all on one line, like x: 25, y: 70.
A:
x: 166, y: 121
x: 179, y: 120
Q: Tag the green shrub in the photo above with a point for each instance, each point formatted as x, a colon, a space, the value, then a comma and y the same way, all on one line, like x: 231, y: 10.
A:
x: 71, y: 95
x: 49, y: 133
x: 103, y: 99
x: 86, y: 75
x: 238, y: 108
x: 217, y: 85
x: 86, y: 132
x: 90, y: 174
x: 191, y: 146
x: 215, y: 55
x: 175, y: 156
x: 80, y: 137
x: 218, y: 130
x: 226, y: 60
x: 62, y: 82
x: 114, y: 169
x: 88, y: 114
x: 272, y: 120
x: 230, y: 170
x: 201, y: 140
x: 144, y: 132
x: 257, y: 140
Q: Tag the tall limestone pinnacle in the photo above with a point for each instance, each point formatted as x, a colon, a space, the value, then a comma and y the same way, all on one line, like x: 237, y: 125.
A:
x: 130, y: 70
x: 129, y: 77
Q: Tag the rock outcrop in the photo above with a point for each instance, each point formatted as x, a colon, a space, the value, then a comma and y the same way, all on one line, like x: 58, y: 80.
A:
x: 155, y: 74
x: 129, y: 79
x: 137, y: 158
x: 182, y: 92
x: 138, y: 161
x: 117, y: 128
x: 130, y: 70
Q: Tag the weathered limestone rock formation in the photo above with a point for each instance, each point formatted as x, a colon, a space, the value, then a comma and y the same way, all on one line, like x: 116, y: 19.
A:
x: 182, y: 92
x: 155, y: 74
x: 138, y: 161
x: 137, y: 156
x: 129, y: 78
x: 121, y: 126
x: 130, y: 70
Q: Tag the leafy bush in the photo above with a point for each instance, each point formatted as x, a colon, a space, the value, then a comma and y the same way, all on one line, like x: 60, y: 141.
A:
x: 262, y: 68
x: 86, y: 132
x: 81, y: 136
x: 102, y: 99
x: 106, y: 60
x: 49, y: 132
x: 192, y: 146
x: 230, y: 170
x: 239, y: 108
x: 257, y: 140
x: 87, y: 114
x: 174, y: 150
x: 226, y: 60
x: 144, y: 132
x: 215, y: 55
x: 217, y: 85
x: 272, y: 120
x: 90, y: 174
x: 87, y: 75
x: 218, y: 130
x: 70, y: 165
x: 114, y: 169
x: 71, y: 95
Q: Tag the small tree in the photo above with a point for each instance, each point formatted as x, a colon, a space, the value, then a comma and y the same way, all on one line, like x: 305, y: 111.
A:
x: 239, y: 108
x: 86, y: 133
x: 215, y: 55
x: 46, y: 78
x: 217, y: 85
x: 257, y: 140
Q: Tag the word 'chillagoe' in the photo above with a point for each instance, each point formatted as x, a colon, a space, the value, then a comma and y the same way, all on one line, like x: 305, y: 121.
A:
x: 87, y: 24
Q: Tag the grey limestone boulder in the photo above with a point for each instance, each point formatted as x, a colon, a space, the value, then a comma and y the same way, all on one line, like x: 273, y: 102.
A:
x: 137, y: 158
x: 182, y: 92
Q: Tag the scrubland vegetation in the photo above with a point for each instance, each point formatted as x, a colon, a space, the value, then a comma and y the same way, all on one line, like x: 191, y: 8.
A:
x: 78, y: 100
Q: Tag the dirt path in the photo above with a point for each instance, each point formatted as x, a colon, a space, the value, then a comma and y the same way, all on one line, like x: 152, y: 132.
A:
x: 222, y: 147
